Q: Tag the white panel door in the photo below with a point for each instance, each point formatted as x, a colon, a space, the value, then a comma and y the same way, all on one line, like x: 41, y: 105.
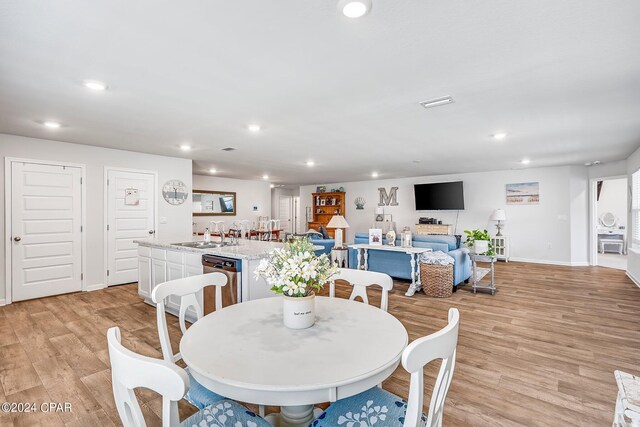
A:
x: 284, y: 213
x: 46, y: 236
x: 128, y: 220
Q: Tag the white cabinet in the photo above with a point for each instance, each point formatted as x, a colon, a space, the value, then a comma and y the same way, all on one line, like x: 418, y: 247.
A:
x: 144, y: 276
x: 501, y: 247
x: 157, y: 266
x: 158, y: 272
x: 174, y: 271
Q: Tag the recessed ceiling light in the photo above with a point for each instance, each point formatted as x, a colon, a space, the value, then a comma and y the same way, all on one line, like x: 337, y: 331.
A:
x: 272, y: 186
x: 374, y: 174
x: 310, y: 163
x: 437, y: 102
x: 588, y: 164
x: 52, y: 125
x: 499, y: 135
x: 265, y: 176
x: 525, y: 161
x: 354, y: 8
x: 229, y: 149
x: 254, y: 128
x: 596, y: 162
x: 185, y: 147
x: 212, y: 170
x: 416, y: 161
x: 95, y: 85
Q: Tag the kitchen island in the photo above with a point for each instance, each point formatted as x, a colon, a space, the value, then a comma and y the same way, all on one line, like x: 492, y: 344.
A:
x: 160, y: 261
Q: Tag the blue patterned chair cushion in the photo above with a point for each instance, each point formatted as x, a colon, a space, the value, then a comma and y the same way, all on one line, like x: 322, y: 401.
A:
x: 374, y: 407
x: 225, y: 413
x: 198, y: 395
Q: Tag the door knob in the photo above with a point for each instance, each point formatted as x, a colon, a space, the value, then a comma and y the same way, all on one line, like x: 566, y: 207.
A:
x: 152, y: 231
x: 17, y: 238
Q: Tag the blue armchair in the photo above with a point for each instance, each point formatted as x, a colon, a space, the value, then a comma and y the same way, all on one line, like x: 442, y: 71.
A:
x: 327, y: 244
x: 396, y: 264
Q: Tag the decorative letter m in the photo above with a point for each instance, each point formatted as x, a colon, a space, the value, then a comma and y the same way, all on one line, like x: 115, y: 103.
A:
x: 390, y: 199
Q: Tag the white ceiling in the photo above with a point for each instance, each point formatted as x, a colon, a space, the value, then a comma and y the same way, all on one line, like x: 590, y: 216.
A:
x: 561, y: 77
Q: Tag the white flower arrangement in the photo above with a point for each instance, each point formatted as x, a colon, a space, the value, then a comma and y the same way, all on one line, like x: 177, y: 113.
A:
x: 295, y: 270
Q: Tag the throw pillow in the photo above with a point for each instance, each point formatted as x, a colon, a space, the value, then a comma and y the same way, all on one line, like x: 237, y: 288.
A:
x: 323, y: 230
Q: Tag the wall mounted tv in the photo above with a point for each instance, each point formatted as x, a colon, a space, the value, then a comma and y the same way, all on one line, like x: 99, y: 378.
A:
x: 439, y: 196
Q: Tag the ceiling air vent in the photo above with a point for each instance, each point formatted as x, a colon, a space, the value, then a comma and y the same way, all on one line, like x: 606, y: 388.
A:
x: 229, y: 149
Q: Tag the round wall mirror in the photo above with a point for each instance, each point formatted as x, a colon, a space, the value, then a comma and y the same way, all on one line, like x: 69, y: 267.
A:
x: 608, y: 219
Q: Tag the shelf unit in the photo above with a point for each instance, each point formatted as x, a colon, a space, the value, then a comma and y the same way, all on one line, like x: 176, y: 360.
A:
x: 326, y: 205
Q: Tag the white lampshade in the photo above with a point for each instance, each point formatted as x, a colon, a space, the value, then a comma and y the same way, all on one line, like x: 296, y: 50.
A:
x: 498, y: 215
x: 338, y: 221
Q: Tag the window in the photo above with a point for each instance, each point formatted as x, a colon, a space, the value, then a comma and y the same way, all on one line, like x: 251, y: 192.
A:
x: 635, y: 208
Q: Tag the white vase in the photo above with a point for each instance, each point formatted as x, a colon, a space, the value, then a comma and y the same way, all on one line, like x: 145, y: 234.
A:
x: 480, y: 246
x: 299, y: 312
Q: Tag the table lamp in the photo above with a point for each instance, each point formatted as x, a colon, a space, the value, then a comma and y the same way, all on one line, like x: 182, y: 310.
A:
x: 338, y: 222
x: 498, y: 215
x: 379, y: 214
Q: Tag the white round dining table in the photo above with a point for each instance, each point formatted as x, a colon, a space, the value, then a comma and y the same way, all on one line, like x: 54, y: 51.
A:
x: 244, y: 352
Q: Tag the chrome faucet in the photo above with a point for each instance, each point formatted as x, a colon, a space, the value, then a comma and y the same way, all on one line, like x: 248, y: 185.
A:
x: 234, y: 236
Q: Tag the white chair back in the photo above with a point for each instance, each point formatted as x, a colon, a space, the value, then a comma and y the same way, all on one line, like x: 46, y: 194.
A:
x: 187, y: 289
x: 217, y: 226
x: 130, y: 370
x: 360, y: 280
x: 246, y: 226
x: 439, y: 345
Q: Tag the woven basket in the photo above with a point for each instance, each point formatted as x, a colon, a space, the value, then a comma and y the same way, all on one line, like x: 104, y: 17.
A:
x: 437, y: 280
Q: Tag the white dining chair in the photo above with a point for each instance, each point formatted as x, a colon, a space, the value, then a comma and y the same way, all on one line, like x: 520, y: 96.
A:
x: 187, y: 289
x: 360, y: 280
x: 376, y: 404
x: 131, y: 370
x: 246, y: 226
x: 274, y: 225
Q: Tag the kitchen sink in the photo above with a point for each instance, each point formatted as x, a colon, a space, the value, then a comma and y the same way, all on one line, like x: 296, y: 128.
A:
x: 201, y: 245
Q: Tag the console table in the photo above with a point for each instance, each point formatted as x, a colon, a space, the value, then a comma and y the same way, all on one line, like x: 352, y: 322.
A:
x: 362, y: 249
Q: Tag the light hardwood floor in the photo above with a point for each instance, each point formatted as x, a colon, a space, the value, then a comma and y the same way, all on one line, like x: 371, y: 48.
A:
x: 542, y: 351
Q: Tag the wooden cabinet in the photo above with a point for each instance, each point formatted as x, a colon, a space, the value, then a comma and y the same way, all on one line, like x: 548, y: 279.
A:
x: 326, y: 205
x: 434, y: 229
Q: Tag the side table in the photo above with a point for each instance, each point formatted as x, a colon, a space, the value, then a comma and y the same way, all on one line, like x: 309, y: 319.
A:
x: 474, y: 277
x: 340, y: 256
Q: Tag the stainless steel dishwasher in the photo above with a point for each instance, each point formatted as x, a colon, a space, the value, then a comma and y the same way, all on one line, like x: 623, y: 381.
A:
x: 230, y: 267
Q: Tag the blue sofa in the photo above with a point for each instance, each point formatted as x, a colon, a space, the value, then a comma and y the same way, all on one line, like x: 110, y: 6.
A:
x: 396, y: 264
x: 327, y: 244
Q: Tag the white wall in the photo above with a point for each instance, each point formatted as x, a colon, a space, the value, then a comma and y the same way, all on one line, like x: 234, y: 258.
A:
x: 613, y: 198
x: 178, y: 218
x: 633, y: 258
x: 249, y: 193
x: 553, y: 231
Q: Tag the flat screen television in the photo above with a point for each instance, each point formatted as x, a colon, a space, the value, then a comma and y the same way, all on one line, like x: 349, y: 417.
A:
x: 439, y: 196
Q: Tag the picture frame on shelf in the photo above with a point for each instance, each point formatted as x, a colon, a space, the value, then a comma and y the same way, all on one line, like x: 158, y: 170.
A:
x: 375, y: 236
x: 323, y: 202
x: 387, y: 218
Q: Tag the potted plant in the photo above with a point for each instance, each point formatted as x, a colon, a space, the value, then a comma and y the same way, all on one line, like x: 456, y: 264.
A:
x: 296, y: 272
x: 479, y: 241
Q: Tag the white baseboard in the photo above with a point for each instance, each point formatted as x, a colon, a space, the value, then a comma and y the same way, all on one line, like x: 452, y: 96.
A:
x: 544, y: 261
x: 95, y: 287
x: 633, y: 279
x: 3, y: 302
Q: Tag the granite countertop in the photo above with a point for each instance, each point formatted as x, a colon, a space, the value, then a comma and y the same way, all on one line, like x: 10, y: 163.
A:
x: 246, y: 249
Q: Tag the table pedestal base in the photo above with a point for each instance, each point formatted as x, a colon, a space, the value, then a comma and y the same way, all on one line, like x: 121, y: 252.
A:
x: 294, y: 416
